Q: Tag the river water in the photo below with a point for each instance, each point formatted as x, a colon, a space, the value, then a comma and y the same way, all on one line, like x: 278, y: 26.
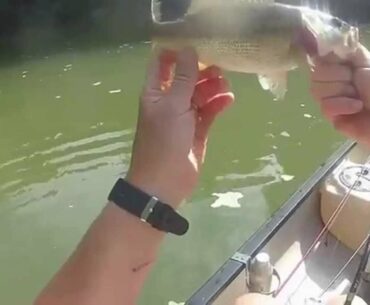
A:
x: 66, y: 127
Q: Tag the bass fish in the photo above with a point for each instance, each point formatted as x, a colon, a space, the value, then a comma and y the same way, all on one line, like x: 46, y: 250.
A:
x: 255, y: 36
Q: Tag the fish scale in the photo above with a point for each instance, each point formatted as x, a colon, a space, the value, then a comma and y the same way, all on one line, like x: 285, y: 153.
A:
x: 239, y: 56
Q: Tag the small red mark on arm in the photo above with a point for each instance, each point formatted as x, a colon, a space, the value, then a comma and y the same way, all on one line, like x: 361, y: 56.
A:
x: 141, y: 267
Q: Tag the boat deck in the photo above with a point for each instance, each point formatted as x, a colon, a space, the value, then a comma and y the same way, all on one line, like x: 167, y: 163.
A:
x: 321, y: 266
x: 287, y: 237
x: 287, y: 249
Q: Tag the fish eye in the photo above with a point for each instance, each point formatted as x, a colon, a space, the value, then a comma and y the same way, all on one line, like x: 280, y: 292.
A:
x: 336, y: 22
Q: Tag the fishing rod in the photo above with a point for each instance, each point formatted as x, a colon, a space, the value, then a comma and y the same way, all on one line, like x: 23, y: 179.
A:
x: 359, y: 274
x: 324, y: 230
x: 343, y: 268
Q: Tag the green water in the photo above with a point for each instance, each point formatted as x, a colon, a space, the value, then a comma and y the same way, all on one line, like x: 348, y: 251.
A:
x: 65, y: 138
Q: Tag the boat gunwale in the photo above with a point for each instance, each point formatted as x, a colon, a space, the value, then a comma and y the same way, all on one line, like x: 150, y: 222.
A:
x: 232, y: 268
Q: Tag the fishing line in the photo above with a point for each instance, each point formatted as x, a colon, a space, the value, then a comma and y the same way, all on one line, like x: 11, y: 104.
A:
x: 326, y: 228
x: 358, y: 277
x: 343, y: 268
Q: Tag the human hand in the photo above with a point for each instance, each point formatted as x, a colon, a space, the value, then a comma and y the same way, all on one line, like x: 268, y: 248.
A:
x: 173, y: 125
x: 343, y: 90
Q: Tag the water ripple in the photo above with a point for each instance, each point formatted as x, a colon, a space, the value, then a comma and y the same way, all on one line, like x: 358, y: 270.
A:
x: 67, y: 146
x: 93, y: 151
x: 270, y: 172
x: 36, y: 175
x: 90, y: 165
x: 82, y: 142
x: 11, y: 162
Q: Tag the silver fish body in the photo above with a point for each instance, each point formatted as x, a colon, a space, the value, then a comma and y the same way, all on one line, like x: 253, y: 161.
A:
x: 259, y: 37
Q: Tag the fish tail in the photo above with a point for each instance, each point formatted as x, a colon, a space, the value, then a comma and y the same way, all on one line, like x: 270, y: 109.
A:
x: 167, y: 18
x: 156, y: 11
x: 167, y: 23
x: 167, y: 10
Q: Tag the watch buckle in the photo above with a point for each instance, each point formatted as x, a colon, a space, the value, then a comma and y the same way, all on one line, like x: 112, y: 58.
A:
x: 148, y: 209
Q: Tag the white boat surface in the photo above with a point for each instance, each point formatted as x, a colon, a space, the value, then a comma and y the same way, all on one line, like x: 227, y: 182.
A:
x: 306, y: 267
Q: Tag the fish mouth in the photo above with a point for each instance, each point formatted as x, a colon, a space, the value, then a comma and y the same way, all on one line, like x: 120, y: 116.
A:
x: 305, y: 39
x: 323, y: 34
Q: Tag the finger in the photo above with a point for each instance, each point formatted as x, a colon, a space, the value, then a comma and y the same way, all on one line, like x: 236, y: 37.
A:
x: 334, y: 107
x: 212, y: 95
x: 158, y: 72
x: 205, y: 91
x: 152, y: 87
x: 356, y: 126
x: 360, y: 58
x: 167, y: 61
x: 209, y: 112
x: 185, y: 79
x: 327, y: 90
x: 331, y: 73
x: 362, y: 82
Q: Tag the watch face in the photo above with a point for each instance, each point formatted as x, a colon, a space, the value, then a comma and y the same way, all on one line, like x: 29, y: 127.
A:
x: 356, y: 178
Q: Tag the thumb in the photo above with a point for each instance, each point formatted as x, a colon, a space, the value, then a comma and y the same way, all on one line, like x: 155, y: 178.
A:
x: 208, y: 113
x: 206, y: 116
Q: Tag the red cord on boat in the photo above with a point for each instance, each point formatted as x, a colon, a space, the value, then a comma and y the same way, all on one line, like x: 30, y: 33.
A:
x: 322, y: 232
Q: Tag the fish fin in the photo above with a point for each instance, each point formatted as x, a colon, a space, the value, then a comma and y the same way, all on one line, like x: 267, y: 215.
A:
x: 198, y: 5
x: 311, y: 62
x: 276, y: 83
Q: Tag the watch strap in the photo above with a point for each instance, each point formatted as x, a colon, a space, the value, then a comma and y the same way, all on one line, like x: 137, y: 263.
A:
x: 148, y: 208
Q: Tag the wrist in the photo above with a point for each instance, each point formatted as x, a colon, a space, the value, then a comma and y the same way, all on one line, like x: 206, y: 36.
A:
x: 157, y: 188
x: 147, y: 207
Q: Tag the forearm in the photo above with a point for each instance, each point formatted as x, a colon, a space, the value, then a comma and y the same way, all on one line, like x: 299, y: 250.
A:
x: 114, y: 258
x: 109, y: 266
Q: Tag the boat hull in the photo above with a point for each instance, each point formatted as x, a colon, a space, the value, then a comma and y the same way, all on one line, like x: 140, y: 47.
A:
x: 287, y: 237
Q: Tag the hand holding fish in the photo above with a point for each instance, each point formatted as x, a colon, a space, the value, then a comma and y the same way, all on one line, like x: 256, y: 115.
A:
x: 342, y: 87
x: 173, y: 125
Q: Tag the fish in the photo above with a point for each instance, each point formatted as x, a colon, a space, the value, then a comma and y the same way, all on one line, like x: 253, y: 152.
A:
x: 259, y: 37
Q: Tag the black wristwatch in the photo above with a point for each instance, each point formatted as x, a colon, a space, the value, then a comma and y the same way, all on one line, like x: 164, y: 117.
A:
x: 148, y: 208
